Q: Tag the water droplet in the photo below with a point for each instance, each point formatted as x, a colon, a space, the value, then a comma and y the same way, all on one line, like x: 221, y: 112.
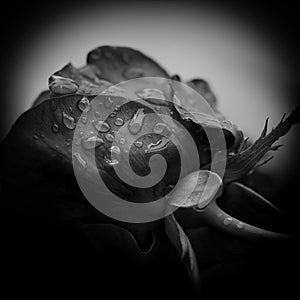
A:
x: 122, y: 140
x: 119, y: 122
x: 97, y: 114
x: 240, y: 225
x: 136, y: 122
x: 159, y: 128
x: 35, y: 137
x: 55, y: 128
x: 68, y: 121
x: 83, y: 120
x: 61, y: 85
x: 84, y: 104
x: 158, y: 146
x: 113, y: 114
x: 80, y: 160
x: 91, y: 142
x: 111, y: 162
x: 138, y: 144
x: 152, y: 94
x: 227, y: 221
x: 109, y: 137
x: 117, y: 107
x: 108, y: 102
x: 101, y: 126
x: 115, y: 149
x: 81, y: 133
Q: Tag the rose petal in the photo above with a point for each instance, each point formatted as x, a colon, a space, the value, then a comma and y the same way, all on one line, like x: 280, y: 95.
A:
x: 196, y: 189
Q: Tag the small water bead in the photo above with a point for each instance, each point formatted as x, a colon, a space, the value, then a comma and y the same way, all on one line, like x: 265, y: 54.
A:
x: 80, y: 160
x: 151, y: 93
x: 35, y: 137
x: 91, y: 142
x: 81, y: 133
x: 227, y: 221
x: 61, y: 85
x: 240, y: 225
x: 108, y: 102
x: 83, y: 119
x: 55, y: 128
x: 109, y: 137
x: 119, y: 122
x: 68, y: 121
x: 117, y: 107
x: 122, y: 141
x: 158, y: 146
x: 84, y: 104
x: 101, y: 126
x: 111, y: 162
x: 115, y: 149
x: 159, y: 128
x: 136, y: 123
x: 138, y: 144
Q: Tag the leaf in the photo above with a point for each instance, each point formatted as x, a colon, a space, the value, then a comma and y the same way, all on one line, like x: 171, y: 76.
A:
x: 180, y: 241
x: 196, y: 189
x: 246, y: 159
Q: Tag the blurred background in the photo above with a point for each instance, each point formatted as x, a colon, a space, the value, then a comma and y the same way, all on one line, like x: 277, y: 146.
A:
x: 246, y: 53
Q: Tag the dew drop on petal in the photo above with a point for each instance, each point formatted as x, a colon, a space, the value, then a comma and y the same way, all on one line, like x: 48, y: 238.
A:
x: 111, y: 162
x: 119, y: 122
x: 109, y: 137
x: 151, y: 93
x: 83, y: 119
x: 55, y: 128
x: 240, y: 225
x: 68, y: 121
x: 122, y: 141
x: 101, y: 126
x: 138, y: 144
x: 158, y: 146
x: 115, y: 149
x: 80, y: 160
x: 227, y: 221
x: 61, y: 85
x: 91, y: 142
x: 35, y: 137
x: 159, y: 128
x: 136, y: 123
x: 108, y: 102
x: 84, y: 104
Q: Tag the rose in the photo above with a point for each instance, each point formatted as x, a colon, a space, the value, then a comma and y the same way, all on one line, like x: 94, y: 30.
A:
x: 45, y: 134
